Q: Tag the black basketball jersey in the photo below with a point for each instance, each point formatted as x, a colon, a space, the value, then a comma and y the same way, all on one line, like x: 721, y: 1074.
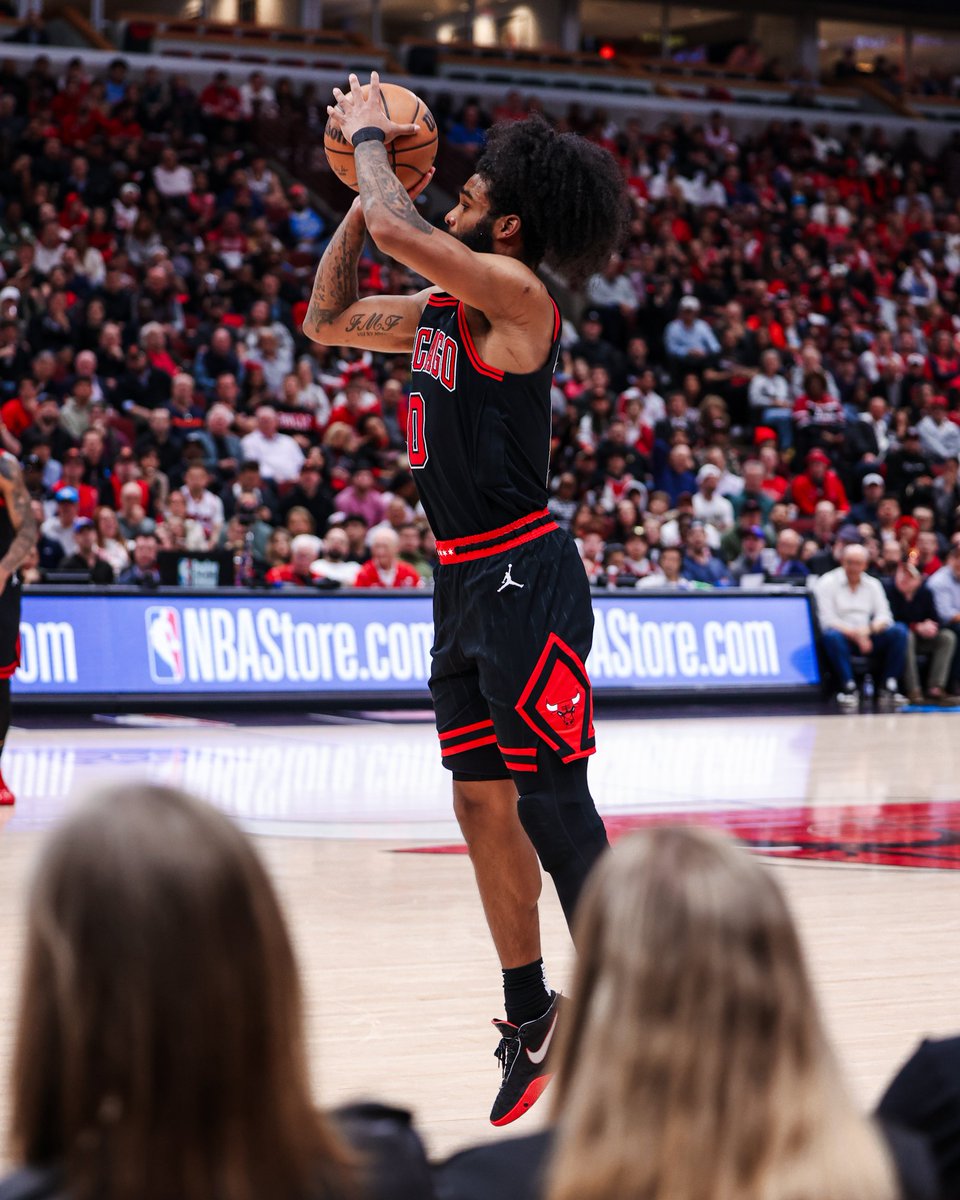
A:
x: 478, y: 438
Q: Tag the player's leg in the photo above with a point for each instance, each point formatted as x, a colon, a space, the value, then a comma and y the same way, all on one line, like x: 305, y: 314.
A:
x: 505, y: 865
x: 561, y: 820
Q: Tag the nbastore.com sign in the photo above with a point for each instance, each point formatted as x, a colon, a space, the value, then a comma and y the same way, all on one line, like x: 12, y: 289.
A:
x: 172, y: 643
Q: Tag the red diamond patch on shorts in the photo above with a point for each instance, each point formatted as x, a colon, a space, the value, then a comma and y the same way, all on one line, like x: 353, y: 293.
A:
x: 557, y: 702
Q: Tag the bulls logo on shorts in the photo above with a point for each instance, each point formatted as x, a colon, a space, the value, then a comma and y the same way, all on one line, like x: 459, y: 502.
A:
x: 557, y: 702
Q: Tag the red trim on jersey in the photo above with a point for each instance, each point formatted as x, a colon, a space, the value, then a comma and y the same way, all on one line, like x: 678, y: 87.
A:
x: 451, y: 733
x: 517, y: 750
x: 556, y: 319
x: 477, y: 362
x: 448, y: 751
x: 450, y: 557
x: 441, y: 302
x: 10, y: 669
x: 515, y: 766
x: 472, y: 538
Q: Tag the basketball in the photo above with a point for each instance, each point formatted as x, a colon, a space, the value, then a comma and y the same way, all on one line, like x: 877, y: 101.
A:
x: 411, y: 157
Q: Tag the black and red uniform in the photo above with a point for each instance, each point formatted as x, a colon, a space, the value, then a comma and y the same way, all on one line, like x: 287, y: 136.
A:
x: 513, y: 621
x: 512, y: 613
x: 9, y: 601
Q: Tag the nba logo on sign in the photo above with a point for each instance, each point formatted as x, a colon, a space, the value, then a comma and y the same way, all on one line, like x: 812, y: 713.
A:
x: 165, y: 645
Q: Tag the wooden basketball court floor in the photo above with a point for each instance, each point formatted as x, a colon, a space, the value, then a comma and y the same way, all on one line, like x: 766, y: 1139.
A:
x: 858, y: 817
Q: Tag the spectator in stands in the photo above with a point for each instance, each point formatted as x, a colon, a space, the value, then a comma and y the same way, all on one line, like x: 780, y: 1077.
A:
x: 819, y: 482
x: 855, y: 614
x: 688, y: 339
x: 86, y: 559
x: 468, y: 131
x: 385, y: 568
x: 132, y: 516
x: 111, y: 549
x: 278, y: 454
x: 676, y: 476
x: 753, y: 558
x: 939, y: 436
x: 708, y: 505
x: 867, y: 508
x: 304, y: 549
x: 336, y: 565
x: 61, y: 527
x: 913, y: 605
x: 202, y: 505
x: 230, y: 1111
x: 699, y: 563
x: 306, y: 225
x: 668, y: 572
x: 143, y: 571
x: 770, y: 399
x: 361, y: 498
x: 786, y: 564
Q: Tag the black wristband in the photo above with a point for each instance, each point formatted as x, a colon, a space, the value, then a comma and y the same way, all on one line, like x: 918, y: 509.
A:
x: 369, y: 133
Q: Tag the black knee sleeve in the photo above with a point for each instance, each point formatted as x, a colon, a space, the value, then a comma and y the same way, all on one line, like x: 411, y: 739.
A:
x: 4, y: 710
x: 561, y: 820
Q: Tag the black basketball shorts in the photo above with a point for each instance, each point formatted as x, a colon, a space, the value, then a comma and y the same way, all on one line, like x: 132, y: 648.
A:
x: 10, y: 629
x: 513, y: 626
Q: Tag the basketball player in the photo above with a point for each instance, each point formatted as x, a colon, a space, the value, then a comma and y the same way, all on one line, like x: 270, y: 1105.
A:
x: 512, y: 613
x: 18, y: 536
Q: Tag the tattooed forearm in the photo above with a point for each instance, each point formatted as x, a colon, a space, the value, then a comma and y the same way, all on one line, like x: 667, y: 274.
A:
x: 21, y: 516
x: 381, y: 192
x: 335, y: 287
x: 373, y: 323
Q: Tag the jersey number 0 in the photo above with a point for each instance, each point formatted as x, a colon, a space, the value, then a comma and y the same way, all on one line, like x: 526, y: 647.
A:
x: 416, y: 432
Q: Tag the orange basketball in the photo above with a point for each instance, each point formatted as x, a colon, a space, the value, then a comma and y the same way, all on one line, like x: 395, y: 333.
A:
x: 411, y: 157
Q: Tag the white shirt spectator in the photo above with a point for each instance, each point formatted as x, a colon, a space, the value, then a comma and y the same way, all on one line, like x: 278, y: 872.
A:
x: 173, y: 184
x: 717, y: 511
x: 939, y: 440
x: 670, y: 535
x: 611, y: 293
x: 820, y: 215
x: 280, y: 457
x: 344, y: 573
x: 654, y: 407
x: 45, y: 260
x: 207, y: 511
x: 945, y: 588
x: 769, y: 391
x: 839, y: 605
x: 264, y: 95
x: 65, y: 536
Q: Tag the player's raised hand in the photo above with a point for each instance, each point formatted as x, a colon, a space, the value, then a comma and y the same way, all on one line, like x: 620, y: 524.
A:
x: 356, y: 111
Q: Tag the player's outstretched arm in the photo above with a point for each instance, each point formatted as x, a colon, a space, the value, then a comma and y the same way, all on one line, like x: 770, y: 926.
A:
x: 335, y: 315
x: 494, y: 284
x: 14, y: 492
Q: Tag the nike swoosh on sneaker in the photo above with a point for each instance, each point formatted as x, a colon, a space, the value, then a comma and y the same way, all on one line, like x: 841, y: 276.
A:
x: 537, y: 1056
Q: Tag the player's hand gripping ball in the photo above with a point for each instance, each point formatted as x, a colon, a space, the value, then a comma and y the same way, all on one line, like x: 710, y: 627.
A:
x: 410, y: 131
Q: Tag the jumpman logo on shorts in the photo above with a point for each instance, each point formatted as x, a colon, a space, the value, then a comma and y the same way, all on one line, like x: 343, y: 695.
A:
x: 508, y: 580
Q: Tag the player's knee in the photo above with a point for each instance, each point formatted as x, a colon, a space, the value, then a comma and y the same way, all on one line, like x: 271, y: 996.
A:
x: 482, y: 804
x: 561, y: 819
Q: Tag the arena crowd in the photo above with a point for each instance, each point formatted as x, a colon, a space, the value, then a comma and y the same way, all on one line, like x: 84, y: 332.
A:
x: 768, y: 374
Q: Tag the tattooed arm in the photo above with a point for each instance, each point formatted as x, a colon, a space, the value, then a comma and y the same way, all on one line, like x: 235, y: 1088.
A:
x: 17, y: 498
x: 495, y: 284
x: 336, y: 317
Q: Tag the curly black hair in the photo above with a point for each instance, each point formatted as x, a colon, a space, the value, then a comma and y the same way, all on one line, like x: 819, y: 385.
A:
x: 569, y: 194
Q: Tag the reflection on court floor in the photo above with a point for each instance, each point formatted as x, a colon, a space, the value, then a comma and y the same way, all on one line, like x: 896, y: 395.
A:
x: 372, y: 779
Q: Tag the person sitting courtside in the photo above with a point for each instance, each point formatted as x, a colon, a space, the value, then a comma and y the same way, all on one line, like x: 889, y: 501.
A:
x: 717, y: 1078
x: 160, y: 1048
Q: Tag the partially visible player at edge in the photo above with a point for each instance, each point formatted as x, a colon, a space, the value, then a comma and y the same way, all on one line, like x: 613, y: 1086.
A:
x: 18, y: 536
x: 512, y: 613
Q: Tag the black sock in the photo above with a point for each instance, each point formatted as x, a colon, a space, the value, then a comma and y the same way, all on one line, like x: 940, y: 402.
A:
x: 525, y: 992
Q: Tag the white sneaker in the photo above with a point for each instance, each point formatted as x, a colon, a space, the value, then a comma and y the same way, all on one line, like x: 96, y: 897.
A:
x: 849, y: 701
x: 888, y: 701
